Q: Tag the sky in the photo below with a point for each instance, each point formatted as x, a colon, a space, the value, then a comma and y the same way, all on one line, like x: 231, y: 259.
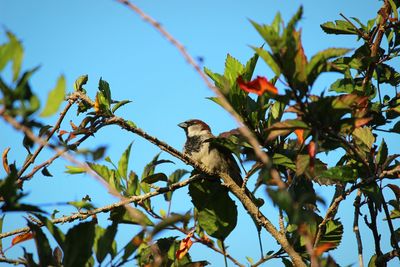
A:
x: 104, y: 39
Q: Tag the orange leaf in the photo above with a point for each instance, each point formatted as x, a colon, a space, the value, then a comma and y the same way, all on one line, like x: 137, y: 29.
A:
x: 259, y: 86
x: 184, y: 247
x: 5, y: 160
x: 21, y: 238
x: 322, y: 248
x: 300, y: 135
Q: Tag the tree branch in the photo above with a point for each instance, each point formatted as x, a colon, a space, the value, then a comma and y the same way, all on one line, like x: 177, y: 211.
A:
x: 132, y: 199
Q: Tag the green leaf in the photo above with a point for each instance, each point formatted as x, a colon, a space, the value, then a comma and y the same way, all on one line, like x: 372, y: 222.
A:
x: 339, y: 174
x: 78, y: 244
x: 382, y: 154
x: 153, y: 178
x: 177, y: 175
x: 103, y: 242
x: 338, y: 27
x: 249, y: 67
x: 123, y: 162
x: 372, y: 261
x: 133, y: 216
x: 216, y: 211
x: 82, y: 80
x: 233, y: 68
x: 119, y: 104
x: 14, y: 51
x: 269, y: 60
x: 103, y: 171
x: 302, y: 163
x: 133, y: 185
x: 319, y: 62
x: 279, y: 159
x: 363, y: 135
x: 74, y: 170
x: 105, y: 93
x: 55, y: 98
x: 346, y: 85
x: 42, y: 245
x: 130, y: 124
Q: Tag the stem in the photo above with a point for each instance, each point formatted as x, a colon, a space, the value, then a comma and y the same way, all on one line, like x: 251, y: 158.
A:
x: 385, y: 13
x: 372, y: 225
x: 356, y: 230
x: 224, y: 250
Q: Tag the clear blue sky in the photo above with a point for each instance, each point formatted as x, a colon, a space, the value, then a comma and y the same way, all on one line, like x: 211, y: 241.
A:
x: 102, y: 38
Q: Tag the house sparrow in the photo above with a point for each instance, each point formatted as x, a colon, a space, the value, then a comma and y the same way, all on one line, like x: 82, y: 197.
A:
x: 200, y: 148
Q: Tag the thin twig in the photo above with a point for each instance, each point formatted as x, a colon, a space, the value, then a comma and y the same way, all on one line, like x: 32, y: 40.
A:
x: 31, y: 159
x: 373, y: 227
x: 356, y: 229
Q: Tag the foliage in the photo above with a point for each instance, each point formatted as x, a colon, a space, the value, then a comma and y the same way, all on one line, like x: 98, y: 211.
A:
x: 293, y: 122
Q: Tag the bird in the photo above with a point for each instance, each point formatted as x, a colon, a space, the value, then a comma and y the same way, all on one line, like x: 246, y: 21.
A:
x: 200, y: 147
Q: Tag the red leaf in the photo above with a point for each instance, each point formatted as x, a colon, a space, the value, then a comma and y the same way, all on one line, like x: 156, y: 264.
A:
x: 21, y: 238
x: 184, y: 247
x: 259, y: 86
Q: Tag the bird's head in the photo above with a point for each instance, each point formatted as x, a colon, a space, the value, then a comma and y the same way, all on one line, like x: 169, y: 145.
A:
x: 195, y: 128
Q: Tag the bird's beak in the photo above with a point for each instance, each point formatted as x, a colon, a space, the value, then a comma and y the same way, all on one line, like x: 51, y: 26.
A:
x: 183, y: 125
